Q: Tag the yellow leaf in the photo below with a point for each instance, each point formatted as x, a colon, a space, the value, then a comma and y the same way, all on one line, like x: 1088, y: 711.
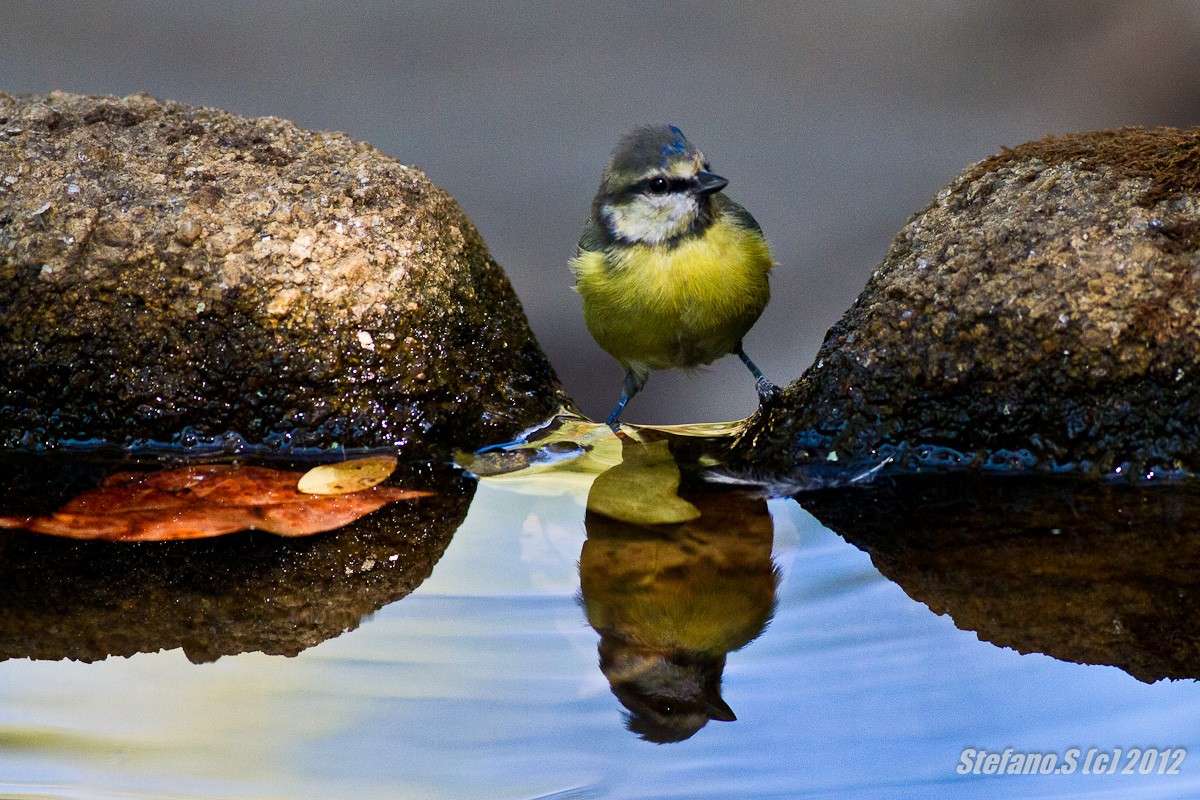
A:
x: 346, y: 477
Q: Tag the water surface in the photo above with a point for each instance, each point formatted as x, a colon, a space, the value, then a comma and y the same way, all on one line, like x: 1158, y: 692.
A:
x: 558, y: 651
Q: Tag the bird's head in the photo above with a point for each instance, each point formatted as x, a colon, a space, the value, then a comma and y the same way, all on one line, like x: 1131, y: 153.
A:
x: 657, y: 187
x: 670, y: 696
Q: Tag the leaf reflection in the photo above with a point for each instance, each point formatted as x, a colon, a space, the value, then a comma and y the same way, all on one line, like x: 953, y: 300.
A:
x: 201, y: 501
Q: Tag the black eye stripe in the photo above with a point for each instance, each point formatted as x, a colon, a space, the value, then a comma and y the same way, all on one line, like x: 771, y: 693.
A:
x: 656, y: 185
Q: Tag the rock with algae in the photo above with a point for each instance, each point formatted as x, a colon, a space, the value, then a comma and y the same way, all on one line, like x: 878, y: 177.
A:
x: 174, y: 274
x: 1041, y: 312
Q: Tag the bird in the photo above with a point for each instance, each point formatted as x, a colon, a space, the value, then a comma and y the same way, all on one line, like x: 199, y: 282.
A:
x: 671, y: 271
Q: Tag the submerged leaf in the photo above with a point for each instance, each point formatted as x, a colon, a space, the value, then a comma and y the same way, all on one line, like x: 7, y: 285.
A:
x: 201, y: 501
x: 346, y: 477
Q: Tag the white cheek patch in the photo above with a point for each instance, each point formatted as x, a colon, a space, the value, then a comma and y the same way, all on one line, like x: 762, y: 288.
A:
x: 652, y: 219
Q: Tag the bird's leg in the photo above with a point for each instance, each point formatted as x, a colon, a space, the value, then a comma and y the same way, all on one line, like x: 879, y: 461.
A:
x: 766, y: 390
x: 633, y: 384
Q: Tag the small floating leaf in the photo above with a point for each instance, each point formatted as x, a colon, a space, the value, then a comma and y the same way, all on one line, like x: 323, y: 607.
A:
x: 346, y: 477
x: 568, y: 450
x: 564, y: 456
x: 702, y: 430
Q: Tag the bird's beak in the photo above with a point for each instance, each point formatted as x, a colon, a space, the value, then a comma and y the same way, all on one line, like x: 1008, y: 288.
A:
x: 719, y: 710
x: 708, y: 183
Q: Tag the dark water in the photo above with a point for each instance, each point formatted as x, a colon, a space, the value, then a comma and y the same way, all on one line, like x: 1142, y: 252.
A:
x: 562, y: 646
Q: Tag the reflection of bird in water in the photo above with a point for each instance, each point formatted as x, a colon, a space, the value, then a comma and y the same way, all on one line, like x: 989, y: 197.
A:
x: 670, y: 601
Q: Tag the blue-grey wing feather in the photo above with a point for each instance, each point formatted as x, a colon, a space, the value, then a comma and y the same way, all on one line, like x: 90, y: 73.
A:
x: 740, y: 215
x: 594, y: 237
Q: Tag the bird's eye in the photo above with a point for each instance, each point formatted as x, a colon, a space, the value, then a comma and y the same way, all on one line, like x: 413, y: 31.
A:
x: 659, y: 185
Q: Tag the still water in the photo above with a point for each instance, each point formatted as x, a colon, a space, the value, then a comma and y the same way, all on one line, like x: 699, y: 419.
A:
x: 595, y: 637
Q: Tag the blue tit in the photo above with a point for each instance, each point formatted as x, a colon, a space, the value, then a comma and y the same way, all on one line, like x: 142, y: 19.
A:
x: 671, y: 271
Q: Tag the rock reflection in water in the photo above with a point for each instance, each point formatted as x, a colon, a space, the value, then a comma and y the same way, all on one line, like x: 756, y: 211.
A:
x: 1081, y: 571
x: 670, y: 601
x: 242, y: 592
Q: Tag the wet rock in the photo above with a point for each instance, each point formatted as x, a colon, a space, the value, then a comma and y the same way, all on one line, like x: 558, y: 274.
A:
x: 173, y: 274
x: 1040, y: 313
x: 1081, y: 570
x: 246, y: 592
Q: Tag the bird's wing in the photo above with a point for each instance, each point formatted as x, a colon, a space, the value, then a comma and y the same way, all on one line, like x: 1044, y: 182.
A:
x: 592, y: 243
x: 740, y: 215
x: 594, y: 237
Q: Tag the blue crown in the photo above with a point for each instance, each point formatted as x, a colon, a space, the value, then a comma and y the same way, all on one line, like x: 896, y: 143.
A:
x: 677, y: 146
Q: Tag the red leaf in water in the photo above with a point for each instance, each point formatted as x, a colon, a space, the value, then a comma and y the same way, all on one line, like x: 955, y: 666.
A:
x: 200, y: 501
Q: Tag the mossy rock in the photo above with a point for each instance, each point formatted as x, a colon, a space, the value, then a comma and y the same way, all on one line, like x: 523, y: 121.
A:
x: 1040, y: 314
x: 181, y: 275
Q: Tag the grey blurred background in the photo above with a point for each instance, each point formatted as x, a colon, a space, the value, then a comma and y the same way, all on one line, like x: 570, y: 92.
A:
x: 834, y: 121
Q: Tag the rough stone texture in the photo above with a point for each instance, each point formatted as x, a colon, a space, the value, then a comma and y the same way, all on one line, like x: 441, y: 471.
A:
x: 1077, y: 569
x: 246, y: 592
x: 173, y: 273
x: 1041, y: 312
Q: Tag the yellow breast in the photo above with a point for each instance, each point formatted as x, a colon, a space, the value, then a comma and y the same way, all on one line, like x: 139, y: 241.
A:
x: 659, y: 307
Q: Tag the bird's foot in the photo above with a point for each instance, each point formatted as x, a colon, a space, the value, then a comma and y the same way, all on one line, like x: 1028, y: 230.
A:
x: 619, y: 431
x: 767, y: 391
